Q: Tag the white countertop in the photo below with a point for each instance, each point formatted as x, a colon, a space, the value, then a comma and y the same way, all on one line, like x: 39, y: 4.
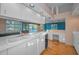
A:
x: 27, y: 37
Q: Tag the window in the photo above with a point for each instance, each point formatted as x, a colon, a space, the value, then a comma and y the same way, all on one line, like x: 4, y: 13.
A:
x: 33, y: 28
x: 25, y: 27
x: 13, y: 26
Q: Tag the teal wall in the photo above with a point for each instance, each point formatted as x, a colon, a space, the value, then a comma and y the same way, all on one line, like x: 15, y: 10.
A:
x: 53, y: 26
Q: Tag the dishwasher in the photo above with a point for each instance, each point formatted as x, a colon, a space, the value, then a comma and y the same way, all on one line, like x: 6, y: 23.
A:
x: 46, y: 41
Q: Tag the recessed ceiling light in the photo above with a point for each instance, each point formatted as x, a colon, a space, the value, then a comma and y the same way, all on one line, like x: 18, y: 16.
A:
x: 31, y: 5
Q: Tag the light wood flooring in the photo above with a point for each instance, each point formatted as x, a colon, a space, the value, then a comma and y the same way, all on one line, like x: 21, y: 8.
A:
x: 58, y: 48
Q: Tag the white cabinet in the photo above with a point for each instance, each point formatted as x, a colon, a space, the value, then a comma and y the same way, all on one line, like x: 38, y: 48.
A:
x: 13, y: 39
x: 0, y: 8
x: 11, y: 10
x: 76, y: 41
x: 27, y: 48
x: 26, y: 13
x: 31, y: 47
x: 40, y: 44
x: 18, y: 50
x: 19, y: 11
x: 62, y: 37
x: 75, y: 11
x: 34, y: 46
x: 57, y: 36
x: 4, y: 52
x: 50, y: 36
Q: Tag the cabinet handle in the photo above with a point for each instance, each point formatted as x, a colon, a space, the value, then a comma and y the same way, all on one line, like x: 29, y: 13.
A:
x: 28, y: 44
x: 42, y: 39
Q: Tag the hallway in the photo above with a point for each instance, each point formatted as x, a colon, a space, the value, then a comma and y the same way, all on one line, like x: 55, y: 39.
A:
x: 58, y: 48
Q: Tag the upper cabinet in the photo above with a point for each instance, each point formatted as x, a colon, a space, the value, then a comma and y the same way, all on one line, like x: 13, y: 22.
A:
x: 0, y: 8
x: 11, y: 10
x: 21, y: 12
x: 75, y: 10
x: 26, y: 13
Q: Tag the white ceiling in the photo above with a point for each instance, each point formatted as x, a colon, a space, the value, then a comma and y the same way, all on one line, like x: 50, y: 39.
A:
x: 58, y: 8
x: 55, y: 4
x: 62, y: 7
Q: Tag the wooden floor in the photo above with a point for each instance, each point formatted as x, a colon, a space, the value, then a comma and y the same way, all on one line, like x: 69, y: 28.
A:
x: 57, y: 48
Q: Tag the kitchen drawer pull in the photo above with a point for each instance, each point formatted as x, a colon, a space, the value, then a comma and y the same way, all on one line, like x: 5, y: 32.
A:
x: 42, y: 39
x: 28, y: 44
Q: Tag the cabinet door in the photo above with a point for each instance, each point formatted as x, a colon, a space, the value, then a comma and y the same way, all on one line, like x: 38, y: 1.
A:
x: 26, y: 14
x: 0, y: 8
x: 18, y: 50
x: 31, y: 47
x: 50, y: 36
x: 4, y: 52
x: 28, y: 48
x: 40, y: 44
x: 62, y: 38
x: 11, y: 10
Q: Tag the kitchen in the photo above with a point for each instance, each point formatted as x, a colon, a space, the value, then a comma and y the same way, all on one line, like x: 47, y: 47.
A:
x: 19, y: 36
x: 26, y: 28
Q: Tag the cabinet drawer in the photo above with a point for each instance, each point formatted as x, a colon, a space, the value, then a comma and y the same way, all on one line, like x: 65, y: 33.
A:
x: 31, y: 47
x: 4, y: 52
x: 18, y: 50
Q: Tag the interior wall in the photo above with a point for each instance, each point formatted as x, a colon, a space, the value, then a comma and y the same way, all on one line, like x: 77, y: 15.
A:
x: 2, y: 25
x: 72, y: 24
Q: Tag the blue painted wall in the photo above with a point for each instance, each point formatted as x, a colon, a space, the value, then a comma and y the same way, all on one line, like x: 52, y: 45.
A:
x: 47, y: 26
x: 60, y: 26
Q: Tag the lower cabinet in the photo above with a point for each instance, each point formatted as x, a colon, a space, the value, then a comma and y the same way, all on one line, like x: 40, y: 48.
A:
x: 76, y: 41
x: 34, y: 46
x: 18, y: 50
x: 4, y: 52
x: 50, y: 36
x: 40, y: 45
x: 31, y: 47
x: 27, y: 48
